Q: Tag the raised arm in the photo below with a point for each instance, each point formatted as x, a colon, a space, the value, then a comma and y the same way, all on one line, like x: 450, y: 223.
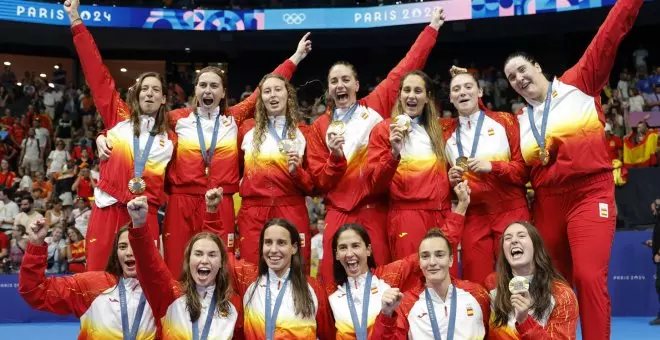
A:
x: 563, y: 320
x: 513, y: 171
x: 592, y: 71
x: 159, y: 287
x: 404, y: 273
x: 383, y: 97
x: 245, y: 109
x: 101, y: 83
x: 59, y: 295
x: 326, y: 168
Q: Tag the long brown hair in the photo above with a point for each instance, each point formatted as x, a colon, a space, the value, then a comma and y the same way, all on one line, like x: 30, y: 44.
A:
x: 223, y: 79
x: 133, y: 102
x: 430, y: 118
x: 114, y: 266
x: 223, y: 290
x: 540, y: 288
x: 261, y: 116
x: 329, y: 102
x: 302, y: 298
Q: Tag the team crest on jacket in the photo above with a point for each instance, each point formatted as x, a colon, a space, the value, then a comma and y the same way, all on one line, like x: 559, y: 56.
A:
x: 470, y: 311
x: 365, y: 115
x: 161, y: 142
x: 491, y: 132
x: 422, y: 315
x: 374, y: 290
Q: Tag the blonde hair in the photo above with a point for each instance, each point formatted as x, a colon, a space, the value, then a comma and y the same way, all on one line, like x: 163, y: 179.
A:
x: 261, y: 116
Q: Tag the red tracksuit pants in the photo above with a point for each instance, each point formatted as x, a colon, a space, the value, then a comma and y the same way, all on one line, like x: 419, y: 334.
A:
x: 254, y: 214
x: 407, y: 228
x: 577, y: 222
x: 482, y: 235
x: 104, y: 223
x: 373, y: 217
x: 184, y: 218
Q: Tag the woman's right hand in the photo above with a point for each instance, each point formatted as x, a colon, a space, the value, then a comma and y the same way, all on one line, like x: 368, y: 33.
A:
x: 37, y: 232
x: 104, y: 147
x: 390, y: 301
x: 336, y: 143
x: 71, y: 9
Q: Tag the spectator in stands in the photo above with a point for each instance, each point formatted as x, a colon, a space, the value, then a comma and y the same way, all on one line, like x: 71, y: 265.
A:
x: 64, y: 130
x: 38, y: 203
x: 87, y: 108
x: 82, y: 152
x: 641, y: 146
x: 613, y: 142
x: 27, y: 215
x: 84, y: 184
x: 57, y: 158
x: 50, y: 101
x: 246, y: 93
x: 76, y: 253
x: 80, y: 215
x: 59, y: 76
x: 8, y: 210
x: 7, y: 120
x: 43, y: 135
x: 55, y: 217
x: 8, y: 78
x: 653, y: 99
x: 4, y: 247
x: 17, y: 247
x: 6, y: 151
x: 56, y: 251
x: 17, y: 134
x: 317, y: 240
x: 31, y: 156
x: 45, y: 186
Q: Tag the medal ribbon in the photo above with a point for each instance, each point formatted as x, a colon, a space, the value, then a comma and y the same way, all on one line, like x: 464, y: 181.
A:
x: 140, y: 160
x: 540, y: 137
x: 207, y: 324
x: 273, y: 131
x: 360, y: 327
x: 475, y: 141
x: 129, y: 333
x: 434, y: 320
x: 348, y: 115
x: 207, y: 156
x: 271, y: 318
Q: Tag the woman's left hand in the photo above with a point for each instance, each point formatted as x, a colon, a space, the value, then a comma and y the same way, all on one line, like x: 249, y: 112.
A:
x: 477, y: 165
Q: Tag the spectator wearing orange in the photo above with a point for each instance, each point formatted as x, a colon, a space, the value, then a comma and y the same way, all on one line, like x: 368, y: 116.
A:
x: 7, y: 120
x: 75, y: 253
x: 17, y: 132
x: 45, y: 186
x: 640, y: 147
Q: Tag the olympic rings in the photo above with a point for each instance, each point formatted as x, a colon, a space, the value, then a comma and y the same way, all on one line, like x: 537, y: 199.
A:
x: 294, y: 18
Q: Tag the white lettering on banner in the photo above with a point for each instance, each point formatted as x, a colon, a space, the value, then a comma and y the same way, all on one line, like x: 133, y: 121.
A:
x: 629, y: 278
x: 58, y: 14
x: 8, y: 285
x: 392, y: 15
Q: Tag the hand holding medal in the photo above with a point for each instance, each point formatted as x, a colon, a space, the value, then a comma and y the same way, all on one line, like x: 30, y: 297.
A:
x: 520, y: 298
x: 336, y: 144
x: 455, y: 175
x: 293, y: 161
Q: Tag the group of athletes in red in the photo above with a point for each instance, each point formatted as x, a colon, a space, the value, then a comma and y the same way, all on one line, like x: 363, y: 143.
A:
x: 387, y: 166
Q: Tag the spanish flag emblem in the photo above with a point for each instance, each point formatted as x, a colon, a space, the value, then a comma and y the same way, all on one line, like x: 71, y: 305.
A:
x: 161, y: 142
x: 365, y: 115
x: 554, y: 94
x: 470, y: 311
x: 491, y: 132
x: 374, y: 290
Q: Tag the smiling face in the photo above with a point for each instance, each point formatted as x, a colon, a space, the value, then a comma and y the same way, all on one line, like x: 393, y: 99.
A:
x: 413, y: 95
x: 209, y: 91
x: 205, y: 261
x: 435, y: 259
x: 343, y: 86
x: 518, y: 249
x: 277, y: 249
x: 525, y: 78
x: 465, y: 93
x: 274, y: 96
x: 151, y: 95
x: 352, y: 253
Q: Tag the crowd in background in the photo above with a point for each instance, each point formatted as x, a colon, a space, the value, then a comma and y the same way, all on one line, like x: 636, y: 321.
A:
x: 49, y: 166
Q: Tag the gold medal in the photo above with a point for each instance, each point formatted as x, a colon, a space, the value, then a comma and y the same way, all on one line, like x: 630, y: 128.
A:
x: 462, y: 162
x: 137, y: 185
x: 544, y: 156
x: 337, y: 127
x: 518, y: 285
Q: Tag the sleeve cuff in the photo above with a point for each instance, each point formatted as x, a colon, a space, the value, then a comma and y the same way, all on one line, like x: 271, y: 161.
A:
x: 526, y: 326
x: 37, y: 250
x: 77, y: 29
x: 388, y: 321
x: 212, y: 216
